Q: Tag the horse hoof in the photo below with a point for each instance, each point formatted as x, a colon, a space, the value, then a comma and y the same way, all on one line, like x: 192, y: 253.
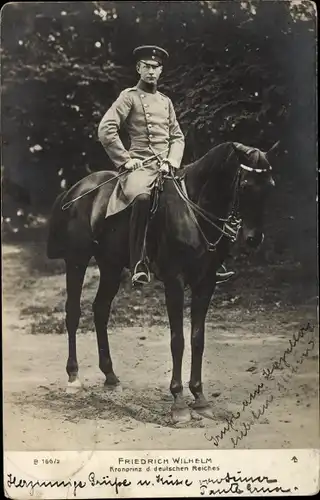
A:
x: 113, y: 388
x: 74, y: 386
x: 204, y: 411
x: 112, y: 383
x: 180, y: 415
x: 196, y: 416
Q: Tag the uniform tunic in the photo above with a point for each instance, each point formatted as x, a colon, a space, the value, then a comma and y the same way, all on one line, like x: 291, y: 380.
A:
x: 152, y: 126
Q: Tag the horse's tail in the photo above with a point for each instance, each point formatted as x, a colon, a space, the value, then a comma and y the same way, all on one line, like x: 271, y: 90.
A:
x: 57, y: 227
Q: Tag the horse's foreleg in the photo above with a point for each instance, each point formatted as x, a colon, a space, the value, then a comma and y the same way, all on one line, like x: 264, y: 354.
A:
x: 174, y: 294
x: 108, y: 287
x: 74, y: 278
x: 199, y: 307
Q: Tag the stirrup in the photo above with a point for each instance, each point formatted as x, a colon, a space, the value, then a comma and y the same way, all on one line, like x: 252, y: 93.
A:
x: 141, y: 277
x: 224, y: 276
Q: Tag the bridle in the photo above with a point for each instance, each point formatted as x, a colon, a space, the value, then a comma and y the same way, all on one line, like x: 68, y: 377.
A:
x: 231, y: 225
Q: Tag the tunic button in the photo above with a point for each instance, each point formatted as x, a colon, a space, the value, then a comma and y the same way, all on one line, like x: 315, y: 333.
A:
x: 150, y: 136
x: 142, y: 95
x: 145, y: 105
x: 149, y: 125
x: 148, y: 115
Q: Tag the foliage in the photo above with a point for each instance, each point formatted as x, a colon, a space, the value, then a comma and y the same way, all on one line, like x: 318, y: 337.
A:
x: 240, y: 71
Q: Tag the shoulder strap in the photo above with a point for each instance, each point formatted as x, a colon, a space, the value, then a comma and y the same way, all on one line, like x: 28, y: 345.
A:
x: 129, y: 89
x: 164, y: 95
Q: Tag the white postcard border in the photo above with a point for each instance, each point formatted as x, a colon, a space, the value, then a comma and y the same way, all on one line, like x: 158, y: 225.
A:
x: 160, y: 473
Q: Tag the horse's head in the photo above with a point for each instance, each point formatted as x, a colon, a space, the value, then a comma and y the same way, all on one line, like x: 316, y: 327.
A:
x: 254, y: 186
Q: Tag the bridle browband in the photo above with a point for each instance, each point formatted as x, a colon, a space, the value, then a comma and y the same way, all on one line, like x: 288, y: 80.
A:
x: 248, y: 150
x: 256, y: 170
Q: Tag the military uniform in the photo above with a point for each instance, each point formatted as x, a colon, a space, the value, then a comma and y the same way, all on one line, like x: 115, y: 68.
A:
x: 152, y: 126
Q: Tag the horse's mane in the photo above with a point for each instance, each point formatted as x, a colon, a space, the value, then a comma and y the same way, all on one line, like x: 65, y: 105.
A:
x: 213, y: 158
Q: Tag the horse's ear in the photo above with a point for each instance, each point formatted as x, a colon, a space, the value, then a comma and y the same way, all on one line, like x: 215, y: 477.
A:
x: 273, y: 151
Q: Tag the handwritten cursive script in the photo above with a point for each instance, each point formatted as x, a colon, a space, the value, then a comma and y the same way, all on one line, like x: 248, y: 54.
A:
x: 13, y: 481
x: 292, y: 343
x: 231, y: 484
x: 106, y: 481
x: 94, y: 481
x: 261, y: 387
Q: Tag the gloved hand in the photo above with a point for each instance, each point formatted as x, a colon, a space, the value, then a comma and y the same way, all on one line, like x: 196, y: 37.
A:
x: 133, y: 163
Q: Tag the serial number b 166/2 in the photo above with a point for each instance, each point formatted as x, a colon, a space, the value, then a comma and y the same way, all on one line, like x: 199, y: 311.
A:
x: 46, y: 461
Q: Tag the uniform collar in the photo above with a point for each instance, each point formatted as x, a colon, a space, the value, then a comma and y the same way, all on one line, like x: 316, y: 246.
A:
x: 146, y: 88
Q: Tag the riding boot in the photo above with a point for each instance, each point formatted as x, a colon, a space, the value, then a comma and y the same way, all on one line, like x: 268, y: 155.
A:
x: 138, y: 231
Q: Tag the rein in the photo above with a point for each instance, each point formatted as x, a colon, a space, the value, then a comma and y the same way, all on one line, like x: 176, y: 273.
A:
x: 231, y: 224
x: 69, y: 203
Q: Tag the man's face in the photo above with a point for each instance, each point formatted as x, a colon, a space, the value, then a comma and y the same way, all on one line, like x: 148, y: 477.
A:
x: 149, y: 71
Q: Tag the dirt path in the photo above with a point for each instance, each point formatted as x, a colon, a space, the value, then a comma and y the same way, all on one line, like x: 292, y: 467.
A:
x: 240, y: 342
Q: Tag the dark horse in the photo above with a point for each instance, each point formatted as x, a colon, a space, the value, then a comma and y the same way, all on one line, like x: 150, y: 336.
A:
x: 186, y: 244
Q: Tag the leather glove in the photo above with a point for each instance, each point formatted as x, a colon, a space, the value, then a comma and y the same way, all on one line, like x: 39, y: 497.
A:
x: 133, y: 164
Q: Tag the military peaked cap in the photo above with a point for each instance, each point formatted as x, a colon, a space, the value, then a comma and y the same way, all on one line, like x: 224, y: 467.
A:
x: 150, y: 53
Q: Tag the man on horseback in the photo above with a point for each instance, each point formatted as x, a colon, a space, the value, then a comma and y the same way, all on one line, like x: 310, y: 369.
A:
x: 155, y: 133
x: 154, y: 130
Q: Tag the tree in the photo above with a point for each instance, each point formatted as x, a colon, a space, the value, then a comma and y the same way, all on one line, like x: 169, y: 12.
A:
x: 240, y: 71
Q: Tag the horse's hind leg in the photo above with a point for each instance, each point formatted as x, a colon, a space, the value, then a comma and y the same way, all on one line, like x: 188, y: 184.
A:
x: 199, y: 306
x: 75, y: 273
x: 110, y: 277
x: 174, y: 293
